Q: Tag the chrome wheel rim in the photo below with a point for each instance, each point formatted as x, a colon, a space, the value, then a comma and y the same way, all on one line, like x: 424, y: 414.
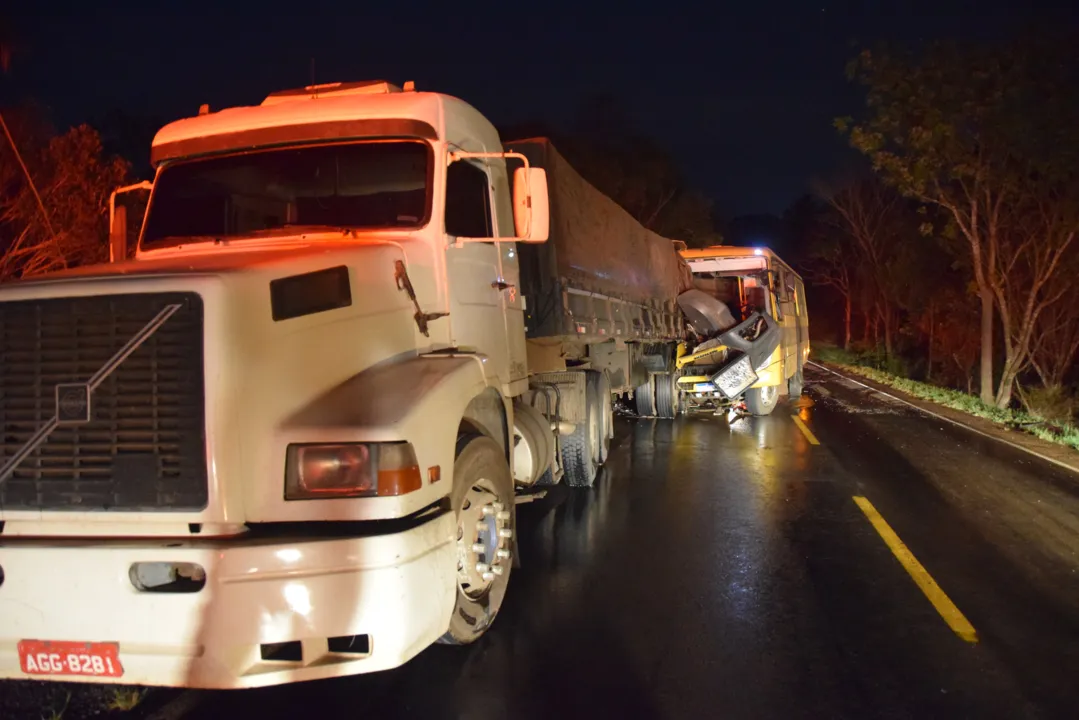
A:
x: 768, y: 394
x: 483, y: 540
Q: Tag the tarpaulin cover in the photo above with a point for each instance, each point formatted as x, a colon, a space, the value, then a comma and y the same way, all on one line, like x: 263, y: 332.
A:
x: 594, y: 244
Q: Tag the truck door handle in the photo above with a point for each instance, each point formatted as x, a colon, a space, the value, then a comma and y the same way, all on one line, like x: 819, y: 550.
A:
x: 501, y: 285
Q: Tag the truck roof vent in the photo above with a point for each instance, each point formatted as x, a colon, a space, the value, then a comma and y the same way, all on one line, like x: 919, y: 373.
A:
x: 311, y: 92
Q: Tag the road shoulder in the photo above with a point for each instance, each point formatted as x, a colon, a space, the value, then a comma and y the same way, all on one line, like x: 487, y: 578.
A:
x: 1050, y: 452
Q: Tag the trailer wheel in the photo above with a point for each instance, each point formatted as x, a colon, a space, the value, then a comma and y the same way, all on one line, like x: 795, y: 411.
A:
x: 666, y: 395
x: 483, y: 502
x: 599, y: 391
x: 645, y: 399
x: 579, y: 453
x: 762, y: 400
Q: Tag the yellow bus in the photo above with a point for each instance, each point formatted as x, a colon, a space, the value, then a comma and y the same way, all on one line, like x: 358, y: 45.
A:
x: 761, y: 353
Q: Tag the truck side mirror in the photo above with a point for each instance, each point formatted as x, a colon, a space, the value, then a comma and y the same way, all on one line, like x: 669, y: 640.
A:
x: 118, y: 221
x: 118, y: 235
x: 531, y: 205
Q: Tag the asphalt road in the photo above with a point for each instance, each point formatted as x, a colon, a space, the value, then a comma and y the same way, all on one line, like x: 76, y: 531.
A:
x: 729, y: 571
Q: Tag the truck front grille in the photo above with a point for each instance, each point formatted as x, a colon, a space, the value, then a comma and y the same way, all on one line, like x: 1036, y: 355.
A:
x: 144, y: 446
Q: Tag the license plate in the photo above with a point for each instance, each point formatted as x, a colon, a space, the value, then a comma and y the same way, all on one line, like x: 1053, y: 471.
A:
x: 736, y: 377
x: 57, y: 657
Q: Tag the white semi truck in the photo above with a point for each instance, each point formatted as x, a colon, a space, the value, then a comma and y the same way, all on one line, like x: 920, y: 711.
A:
x: 282, y: 441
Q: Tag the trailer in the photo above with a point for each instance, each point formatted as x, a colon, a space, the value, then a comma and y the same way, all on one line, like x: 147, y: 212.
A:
x: 602, y: 309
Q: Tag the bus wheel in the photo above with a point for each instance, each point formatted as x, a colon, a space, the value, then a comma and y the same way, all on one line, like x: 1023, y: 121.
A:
x: 762, y: 400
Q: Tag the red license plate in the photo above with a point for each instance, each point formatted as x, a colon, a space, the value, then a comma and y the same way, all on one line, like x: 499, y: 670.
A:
x: 53, y: 657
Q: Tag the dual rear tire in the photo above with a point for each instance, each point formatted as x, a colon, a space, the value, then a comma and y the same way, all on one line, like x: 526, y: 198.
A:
x: 589, y: 445
x: 658, y: 397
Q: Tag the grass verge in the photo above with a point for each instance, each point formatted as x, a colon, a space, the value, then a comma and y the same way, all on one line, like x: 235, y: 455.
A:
x: 1061, y: 434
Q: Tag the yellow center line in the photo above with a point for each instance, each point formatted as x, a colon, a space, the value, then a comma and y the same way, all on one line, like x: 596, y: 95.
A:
x: 947, y: 609
x: 805, y: 430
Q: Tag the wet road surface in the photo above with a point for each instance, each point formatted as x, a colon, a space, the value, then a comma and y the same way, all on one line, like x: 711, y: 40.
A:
x: 721, y: 570
x: 727, y: 571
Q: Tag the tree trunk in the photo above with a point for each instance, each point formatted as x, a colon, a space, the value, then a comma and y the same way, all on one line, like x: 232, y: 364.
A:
x: 846, y: 324
x: 986, y: 385
x: 929, y: 359
x: 865, y: 327
x: 1007, y: 383
x: 887, y: 332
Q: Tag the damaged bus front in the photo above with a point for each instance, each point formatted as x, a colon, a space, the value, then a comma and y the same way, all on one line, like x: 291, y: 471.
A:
x: 749, y: 331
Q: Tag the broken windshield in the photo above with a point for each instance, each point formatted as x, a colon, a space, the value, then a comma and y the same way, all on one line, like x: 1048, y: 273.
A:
x: 359, y: 186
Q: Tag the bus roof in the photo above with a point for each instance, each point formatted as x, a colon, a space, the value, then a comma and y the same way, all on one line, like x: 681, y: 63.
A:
x: 731, y: 258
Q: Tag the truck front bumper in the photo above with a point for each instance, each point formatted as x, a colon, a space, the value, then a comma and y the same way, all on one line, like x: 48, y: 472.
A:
x: 340, y: 606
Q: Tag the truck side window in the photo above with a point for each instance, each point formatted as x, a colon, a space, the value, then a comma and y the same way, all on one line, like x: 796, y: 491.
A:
x: 468, y: 201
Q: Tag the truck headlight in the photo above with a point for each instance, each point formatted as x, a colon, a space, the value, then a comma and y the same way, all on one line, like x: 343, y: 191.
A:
x: 350, y: 470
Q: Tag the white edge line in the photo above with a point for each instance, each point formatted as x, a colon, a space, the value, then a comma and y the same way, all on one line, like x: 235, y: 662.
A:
x: 1017, y: 446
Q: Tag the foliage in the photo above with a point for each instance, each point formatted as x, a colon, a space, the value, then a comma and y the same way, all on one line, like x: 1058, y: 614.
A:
x: 1053, y: 403
x: 949, y: 322
x: 870, y: 231
x: 1062, y: 433
x: 985, y: 134
x: 125, y: 699
x: 1055, y: 342
x: 58, y: 713
x: 74, y: 181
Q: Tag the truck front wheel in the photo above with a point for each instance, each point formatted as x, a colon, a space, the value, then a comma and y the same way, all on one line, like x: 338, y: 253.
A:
x: 482, y: 500
x: 762, y: 400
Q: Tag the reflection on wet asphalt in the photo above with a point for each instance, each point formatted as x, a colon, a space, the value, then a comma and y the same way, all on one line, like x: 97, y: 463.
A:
x: 720, y: 571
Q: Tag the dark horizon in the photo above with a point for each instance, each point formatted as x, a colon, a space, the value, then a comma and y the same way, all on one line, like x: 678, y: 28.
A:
x: 742, y: 98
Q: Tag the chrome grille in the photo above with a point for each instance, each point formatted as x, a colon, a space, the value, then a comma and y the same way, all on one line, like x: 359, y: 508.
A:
x: 144, y: 447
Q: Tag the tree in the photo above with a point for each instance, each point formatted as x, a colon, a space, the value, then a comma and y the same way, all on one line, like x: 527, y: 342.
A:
x: 1055, y: 341
x: 949, y: 322
x: 869, y: 214
x: 829, y: 264
x: 73, y: 181
x: 956, y: 129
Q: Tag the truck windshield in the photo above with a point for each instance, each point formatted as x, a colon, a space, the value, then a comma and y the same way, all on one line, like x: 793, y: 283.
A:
x: 355, y: 186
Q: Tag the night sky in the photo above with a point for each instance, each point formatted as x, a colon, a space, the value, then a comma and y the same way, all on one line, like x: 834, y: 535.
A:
x: 743, y: 94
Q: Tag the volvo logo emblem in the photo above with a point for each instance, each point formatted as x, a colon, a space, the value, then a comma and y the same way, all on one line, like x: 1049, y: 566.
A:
x: 72, y: 404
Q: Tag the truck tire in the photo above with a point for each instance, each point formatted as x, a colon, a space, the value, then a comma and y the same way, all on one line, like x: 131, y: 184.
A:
x: 482, y: 494
x: 666, y: 395
x: 579, y: 453
x: 599, y: 390
x: 762, y: 400
x: 645, y: 399
x: 796, y: 384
